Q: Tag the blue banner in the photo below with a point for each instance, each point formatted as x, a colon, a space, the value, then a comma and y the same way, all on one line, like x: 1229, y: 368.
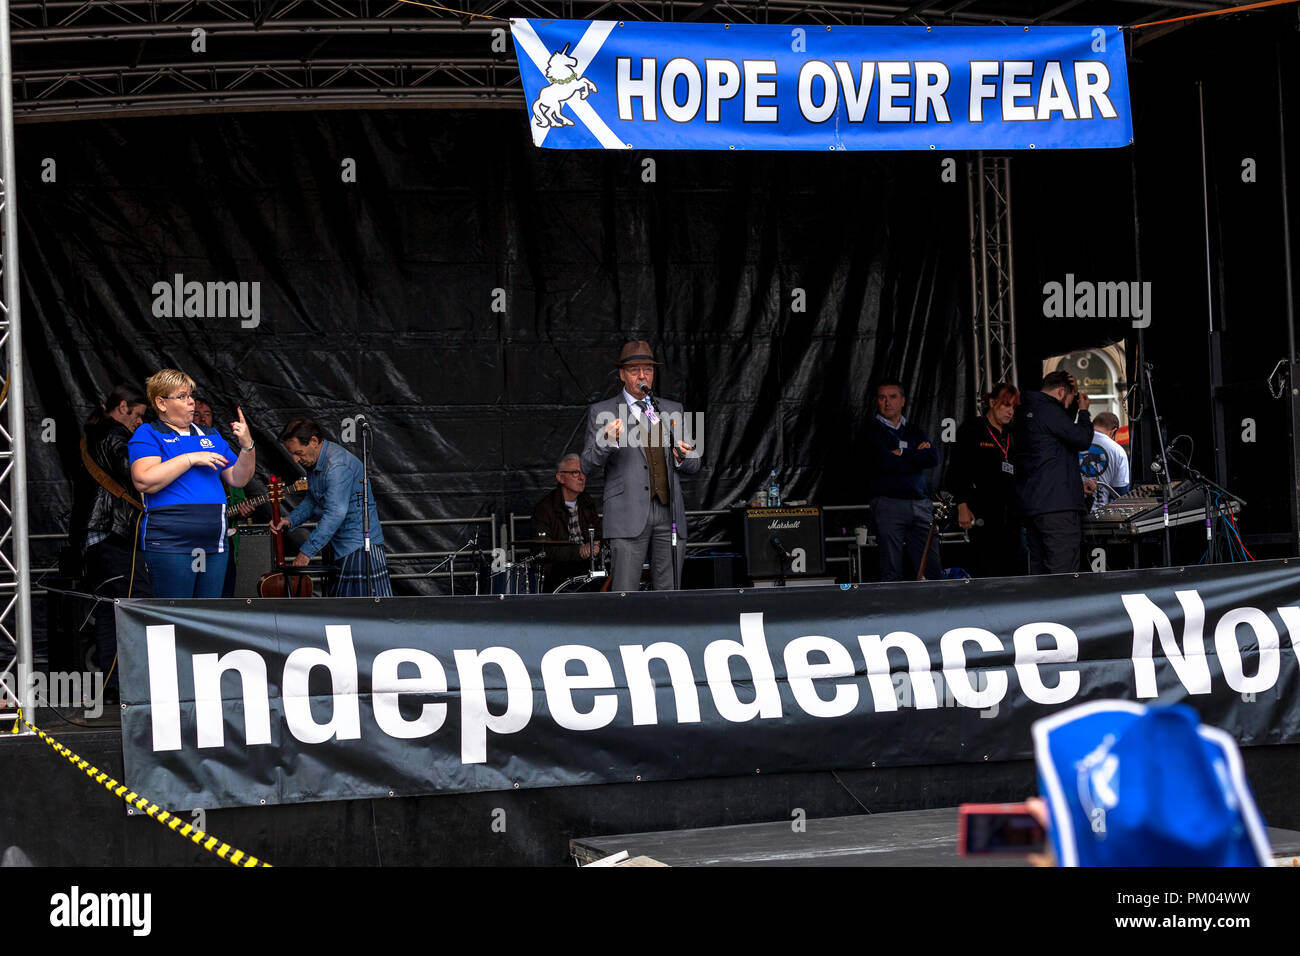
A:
x: 607, y: 84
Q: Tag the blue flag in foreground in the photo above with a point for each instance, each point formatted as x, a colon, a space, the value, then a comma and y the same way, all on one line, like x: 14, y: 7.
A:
x: 606, y: 84
x: 1134, y: 785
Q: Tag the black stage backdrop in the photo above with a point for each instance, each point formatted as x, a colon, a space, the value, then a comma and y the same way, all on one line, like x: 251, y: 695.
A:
x: 775, y: 287
x: 230, y: 703
x: 470, y: 293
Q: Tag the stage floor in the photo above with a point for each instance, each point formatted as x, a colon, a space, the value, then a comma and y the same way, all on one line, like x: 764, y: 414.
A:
x: 903, y: 838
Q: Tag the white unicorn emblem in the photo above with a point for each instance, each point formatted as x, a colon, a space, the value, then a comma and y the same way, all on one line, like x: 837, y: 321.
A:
x: 561, y: 70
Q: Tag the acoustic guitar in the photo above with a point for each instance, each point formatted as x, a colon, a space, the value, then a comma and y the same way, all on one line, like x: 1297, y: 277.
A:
x: 942, y: 509
x: 282, y: 581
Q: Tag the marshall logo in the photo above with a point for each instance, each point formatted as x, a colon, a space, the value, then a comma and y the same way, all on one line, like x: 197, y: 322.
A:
x: 784, y: 542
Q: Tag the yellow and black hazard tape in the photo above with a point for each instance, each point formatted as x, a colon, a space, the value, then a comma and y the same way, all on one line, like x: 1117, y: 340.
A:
x: 148, y: 807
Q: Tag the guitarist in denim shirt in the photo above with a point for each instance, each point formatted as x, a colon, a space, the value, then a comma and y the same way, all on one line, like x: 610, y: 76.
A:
x: 333, y: 499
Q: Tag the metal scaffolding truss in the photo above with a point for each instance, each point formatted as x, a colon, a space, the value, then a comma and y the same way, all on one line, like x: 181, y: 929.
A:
x: 15, y: 583
x: 993, y: 304
x: 117, y: 19
x: 83, y: 58
x: 268, y: 84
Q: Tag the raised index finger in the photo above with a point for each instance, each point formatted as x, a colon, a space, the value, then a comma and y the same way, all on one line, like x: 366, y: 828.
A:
x: 240, y: 410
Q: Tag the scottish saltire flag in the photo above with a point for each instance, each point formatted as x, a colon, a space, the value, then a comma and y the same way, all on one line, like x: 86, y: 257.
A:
x: 612, y: 84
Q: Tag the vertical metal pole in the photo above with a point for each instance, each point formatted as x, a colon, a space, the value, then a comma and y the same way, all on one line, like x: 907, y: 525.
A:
x: 1012, y: 369
x: 984, y: 274
x: 17, y: 424
x: 1137, y: 353
x: 971, y: 173
x: 1205, y: 207
x: 1293, y: 400
x: 1215, y: 344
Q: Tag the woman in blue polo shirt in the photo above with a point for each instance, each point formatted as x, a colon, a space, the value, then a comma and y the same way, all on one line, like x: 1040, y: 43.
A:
x: 179, y: 468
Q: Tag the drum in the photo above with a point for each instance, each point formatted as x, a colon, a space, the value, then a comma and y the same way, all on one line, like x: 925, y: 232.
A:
x: 522, y: 577
x: 583, y: 582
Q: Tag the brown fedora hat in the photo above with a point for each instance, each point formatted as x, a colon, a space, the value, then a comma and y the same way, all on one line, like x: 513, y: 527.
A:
x: 638, y: 352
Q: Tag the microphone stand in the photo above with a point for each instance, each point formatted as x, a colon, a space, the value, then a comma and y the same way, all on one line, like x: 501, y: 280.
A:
x: 1206, y: 485
x: 451, y: 561
x: 1163, y: 467
x: 672, y: 468
x: 780, y: 565
x: 365, y: 503
x: 591, y: 554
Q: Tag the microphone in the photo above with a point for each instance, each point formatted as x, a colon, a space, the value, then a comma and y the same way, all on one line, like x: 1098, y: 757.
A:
x: 776, y: 543
x: 645, y: 390
x: 362, y: 422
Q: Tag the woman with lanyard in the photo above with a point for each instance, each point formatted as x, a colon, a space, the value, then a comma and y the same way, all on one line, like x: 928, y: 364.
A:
x: 983, y: 483
x: 179, y: 467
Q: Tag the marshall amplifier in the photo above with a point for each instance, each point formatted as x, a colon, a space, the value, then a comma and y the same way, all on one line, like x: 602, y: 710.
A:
x: 797, y: 531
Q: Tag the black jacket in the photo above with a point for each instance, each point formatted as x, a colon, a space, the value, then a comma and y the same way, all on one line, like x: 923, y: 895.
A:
x: 551, y: 516
x: 94, y: 510
x: 975, y: 474
x: 1047, y: 442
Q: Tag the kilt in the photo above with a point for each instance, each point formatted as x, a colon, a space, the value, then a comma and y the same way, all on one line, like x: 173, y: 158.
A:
x: 350, y: 573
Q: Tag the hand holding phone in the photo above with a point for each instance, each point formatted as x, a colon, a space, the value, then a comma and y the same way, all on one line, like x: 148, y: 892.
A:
x: 998, y: 828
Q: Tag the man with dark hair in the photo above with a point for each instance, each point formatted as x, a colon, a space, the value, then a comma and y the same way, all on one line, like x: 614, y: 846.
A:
x: 564, y: 516
x: 334, y: 477
x: 897, y: 455
x: 1106, y: 460
x: 1050, y: 428
x: 105, y: 512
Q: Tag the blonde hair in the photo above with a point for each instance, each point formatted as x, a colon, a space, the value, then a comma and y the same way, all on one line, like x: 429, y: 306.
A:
x: 160, y: 383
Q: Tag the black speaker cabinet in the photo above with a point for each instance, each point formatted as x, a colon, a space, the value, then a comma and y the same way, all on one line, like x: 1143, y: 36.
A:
x: 256, y: 557
x: 795, y: 530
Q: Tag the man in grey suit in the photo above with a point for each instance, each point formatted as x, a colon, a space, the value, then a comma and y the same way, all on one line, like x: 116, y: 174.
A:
x: 630, y: 439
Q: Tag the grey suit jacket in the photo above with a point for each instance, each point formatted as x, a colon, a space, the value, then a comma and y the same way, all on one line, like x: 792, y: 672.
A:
x: 627, y: 475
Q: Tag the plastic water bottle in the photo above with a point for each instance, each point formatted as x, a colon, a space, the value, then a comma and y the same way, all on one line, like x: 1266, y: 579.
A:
x: 774, y: 490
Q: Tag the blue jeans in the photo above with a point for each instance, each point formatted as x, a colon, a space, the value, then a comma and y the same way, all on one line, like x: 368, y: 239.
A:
x: 173, y: 575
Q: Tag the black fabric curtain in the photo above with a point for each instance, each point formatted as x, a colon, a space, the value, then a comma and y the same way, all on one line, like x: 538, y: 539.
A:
x: 470, y: 293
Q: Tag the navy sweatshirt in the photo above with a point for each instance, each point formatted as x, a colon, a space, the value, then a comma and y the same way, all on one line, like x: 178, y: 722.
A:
x: 896, y: 476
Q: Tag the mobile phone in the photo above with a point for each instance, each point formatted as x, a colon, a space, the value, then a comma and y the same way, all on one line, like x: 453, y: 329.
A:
x: 998, y: 828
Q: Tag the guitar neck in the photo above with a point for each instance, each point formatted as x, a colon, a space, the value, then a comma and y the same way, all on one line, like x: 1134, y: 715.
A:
x: 233, y: 510
x: 277, y: 534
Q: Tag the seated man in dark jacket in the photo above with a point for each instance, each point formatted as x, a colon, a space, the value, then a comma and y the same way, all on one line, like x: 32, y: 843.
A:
x: 1048, y: 433
x: 897, y: 454
x: 565, y: 515
x: 105, y: 507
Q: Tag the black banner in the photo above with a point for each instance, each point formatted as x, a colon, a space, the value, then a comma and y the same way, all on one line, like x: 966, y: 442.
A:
x: 233, y: 703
